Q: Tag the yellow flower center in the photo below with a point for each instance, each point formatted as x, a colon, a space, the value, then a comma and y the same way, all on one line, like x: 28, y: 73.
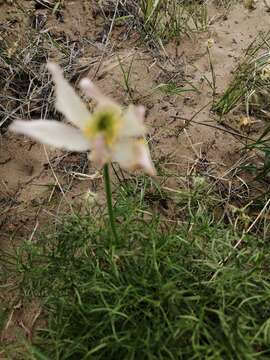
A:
x: 106, y: 122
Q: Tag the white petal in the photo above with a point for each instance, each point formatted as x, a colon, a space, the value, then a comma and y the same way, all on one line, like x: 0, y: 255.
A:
x: 67, y: 101
x: 133, y: 154
x: 92, y: 91
x: 133, y: 121
x: 99, y: 154
x: 123, y: 153
x: 52, y: 133
x: 144, y: 158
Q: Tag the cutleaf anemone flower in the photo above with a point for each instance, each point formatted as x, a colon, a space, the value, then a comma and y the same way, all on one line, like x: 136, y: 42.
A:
x: 111, y: 133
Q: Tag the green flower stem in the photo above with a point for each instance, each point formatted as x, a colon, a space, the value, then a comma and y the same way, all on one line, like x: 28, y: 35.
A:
x: 109, y: 201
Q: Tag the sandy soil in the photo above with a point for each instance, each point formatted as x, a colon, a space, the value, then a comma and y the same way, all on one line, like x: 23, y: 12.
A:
x: 30, y: 195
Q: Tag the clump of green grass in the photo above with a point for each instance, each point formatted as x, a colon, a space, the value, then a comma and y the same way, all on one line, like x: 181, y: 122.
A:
x: 157, y: 20
x: 172, y: 290
x: 248, y: 86
x: 249, y: 90
x: 164, y: 20
x: 261, y: 169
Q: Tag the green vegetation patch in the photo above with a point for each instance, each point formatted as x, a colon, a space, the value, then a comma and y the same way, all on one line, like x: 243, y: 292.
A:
x: 172, y: 290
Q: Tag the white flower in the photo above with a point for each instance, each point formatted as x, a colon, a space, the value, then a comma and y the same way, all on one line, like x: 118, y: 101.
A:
x: 111, y: 133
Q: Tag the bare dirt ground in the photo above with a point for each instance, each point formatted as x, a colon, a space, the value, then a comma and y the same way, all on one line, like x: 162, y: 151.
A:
x: 34, y: 179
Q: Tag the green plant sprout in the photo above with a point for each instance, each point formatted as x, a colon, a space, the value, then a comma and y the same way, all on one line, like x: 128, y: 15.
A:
x: 126, y: 76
